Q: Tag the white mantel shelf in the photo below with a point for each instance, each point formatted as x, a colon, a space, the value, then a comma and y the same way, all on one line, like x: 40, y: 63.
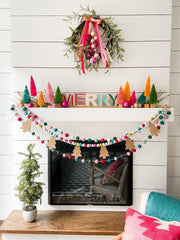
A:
x: 98, y: 114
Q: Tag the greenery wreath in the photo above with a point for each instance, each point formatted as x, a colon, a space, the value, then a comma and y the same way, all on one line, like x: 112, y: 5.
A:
x: 95, y: 39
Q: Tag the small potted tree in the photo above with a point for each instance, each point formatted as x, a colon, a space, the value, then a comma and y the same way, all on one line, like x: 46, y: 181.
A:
x: 29, y: 190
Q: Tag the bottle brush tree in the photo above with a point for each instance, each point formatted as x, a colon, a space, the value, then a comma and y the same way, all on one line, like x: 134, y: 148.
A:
x: 153, y: 95
x: 147, y: 88
x: 126, y: 92
x: 41, y: 99
x: 142, y: 99
x: 49, y: 94
x: 133, y: 98
x: 58, y: 96
x: 29, y: 190
x: 26, y: 96
x: 33, y: 87
x: 120, y: 97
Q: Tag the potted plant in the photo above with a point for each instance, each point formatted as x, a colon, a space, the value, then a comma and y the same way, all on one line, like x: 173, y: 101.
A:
x: 29, y: 190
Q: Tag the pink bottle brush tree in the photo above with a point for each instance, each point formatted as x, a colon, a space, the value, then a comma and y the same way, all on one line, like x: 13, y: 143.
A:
x: 133, y: 98
x: 49, y: 94
x: 120, y: 97
x: 33, y: 87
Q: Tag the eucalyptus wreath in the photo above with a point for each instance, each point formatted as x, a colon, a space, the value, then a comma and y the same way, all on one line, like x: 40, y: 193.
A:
x: 107, y: 43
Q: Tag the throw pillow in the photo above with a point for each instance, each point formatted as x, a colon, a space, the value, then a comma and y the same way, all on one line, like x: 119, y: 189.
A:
x: 114, y: 169
x: 142, y: 227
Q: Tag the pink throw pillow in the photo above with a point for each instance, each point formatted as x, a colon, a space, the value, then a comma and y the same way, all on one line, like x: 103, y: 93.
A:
x: 113, y: 171
x: 142, y: 227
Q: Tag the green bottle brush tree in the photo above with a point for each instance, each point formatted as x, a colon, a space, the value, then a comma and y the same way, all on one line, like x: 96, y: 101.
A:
x: 29, y: 190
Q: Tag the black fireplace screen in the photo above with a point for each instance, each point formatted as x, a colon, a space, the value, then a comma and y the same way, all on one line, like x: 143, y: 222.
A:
x: 71, y: 182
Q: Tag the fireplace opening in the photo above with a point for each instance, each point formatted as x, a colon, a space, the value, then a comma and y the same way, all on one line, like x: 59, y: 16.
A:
x: 74, y: 182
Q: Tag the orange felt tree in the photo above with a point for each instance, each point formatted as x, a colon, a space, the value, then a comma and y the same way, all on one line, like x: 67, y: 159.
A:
x: 126, y: 92
x: 147, y: 88
x: 41, y: 99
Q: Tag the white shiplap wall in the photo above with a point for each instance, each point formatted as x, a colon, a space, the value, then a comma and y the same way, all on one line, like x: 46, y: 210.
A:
x: 174, y: 128
x: 37, y: 33
x: 6, y: 130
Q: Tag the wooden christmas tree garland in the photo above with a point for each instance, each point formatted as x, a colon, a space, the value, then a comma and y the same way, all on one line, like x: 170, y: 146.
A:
x: 27, y: 118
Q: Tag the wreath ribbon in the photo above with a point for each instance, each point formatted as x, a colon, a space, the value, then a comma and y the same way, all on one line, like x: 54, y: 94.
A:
x: 82, y: 41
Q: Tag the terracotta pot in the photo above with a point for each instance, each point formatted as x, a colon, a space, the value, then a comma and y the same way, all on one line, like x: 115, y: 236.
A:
x: 30, y: 216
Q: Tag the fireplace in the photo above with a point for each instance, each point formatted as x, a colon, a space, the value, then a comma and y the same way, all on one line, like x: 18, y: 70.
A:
x: 74, y: 182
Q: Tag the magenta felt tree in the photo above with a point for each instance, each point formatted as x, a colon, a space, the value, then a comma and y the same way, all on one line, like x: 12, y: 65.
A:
x: 33, y: 87
x: 49, y: 94
x: 120, y: 97
x: 133, y: 98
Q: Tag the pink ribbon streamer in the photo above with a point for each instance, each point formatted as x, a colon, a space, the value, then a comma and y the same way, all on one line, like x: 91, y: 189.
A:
x: 100, y: 42
x: 83, y: 42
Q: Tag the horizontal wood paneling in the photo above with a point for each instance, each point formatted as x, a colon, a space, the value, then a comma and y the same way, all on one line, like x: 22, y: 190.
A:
x: 175, y: 44
x: 149, y: 177
x: 4, y: 19
x: 5, y: 62
x: 175, y: 101
x: 176, y: 3
x: 158, y: 154
x: 6, y: 83
x: 175, y: 61
x: 6, y: 146
x: 147, y: 52
x: 173, y: 166
x: 173, y: 186
x: 89, y: 83
x: 7, y: 184
x: 175, y: 17
x: 5, y: 125
x: 34, y: 7
x: 5, y: 104
x: 7, y: 164
x: 51, y: 55
x: 9, y: 201
x: 175, y: 83
x: 5, y: 4
x: 174, y: 127
x: 45, y: 28
x: 173, y: 146
x: 5, y: 41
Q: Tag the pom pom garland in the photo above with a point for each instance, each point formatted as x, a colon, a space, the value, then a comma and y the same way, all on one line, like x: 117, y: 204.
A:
x: 23, y: 113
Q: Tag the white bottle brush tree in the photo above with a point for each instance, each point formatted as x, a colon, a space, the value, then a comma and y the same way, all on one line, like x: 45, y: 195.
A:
x: 29, y: 190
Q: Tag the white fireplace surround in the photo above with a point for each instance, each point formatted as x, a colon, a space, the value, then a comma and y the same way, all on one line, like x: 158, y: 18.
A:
x: 149, y: 163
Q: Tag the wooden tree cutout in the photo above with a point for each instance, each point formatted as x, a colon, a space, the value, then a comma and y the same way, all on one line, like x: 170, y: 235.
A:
x: 76, y: 152
x: 154, y: 130
x: 129, y: 144
x: 103, y: 152
x: 26, y: 127
x: 52, y: 143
